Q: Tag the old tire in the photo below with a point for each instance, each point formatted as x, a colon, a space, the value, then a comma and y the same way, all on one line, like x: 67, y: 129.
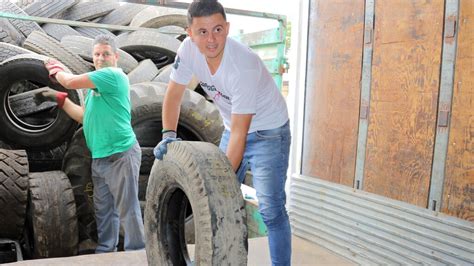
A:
x: 42, y: 160
x: 25, y: 27
x: 53, y: 127
x: 51, y: 219
x: 199, y: 120
x: 48, y: 8
x: 13, y: 192
x: 9, y: 34
x: 158, y: 47
x: 122, y: 15
x: 200, y: 174
x: 86, y: 11
x: 8, y: 50
x: 58, y: 31
x: 77, y: 166
x: 42, y: 43
x: 145, y: 71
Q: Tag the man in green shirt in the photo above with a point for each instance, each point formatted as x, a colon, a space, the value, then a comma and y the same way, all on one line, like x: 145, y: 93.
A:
x: 116, y: 155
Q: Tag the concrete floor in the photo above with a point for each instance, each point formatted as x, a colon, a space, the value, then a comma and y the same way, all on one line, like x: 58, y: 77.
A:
x: 304, y: 253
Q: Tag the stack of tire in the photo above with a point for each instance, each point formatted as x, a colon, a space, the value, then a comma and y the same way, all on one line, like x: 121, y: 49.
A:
x: 52, y: 146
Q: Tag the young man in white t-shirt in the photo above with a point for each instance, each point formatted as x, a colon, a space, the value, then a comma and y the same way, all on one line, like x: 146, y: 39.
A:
x: 255, y: 115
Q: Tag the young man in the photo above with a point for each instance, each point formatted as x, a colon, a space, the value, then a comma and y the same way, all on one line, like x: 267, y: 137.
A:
x: 116, y: 155
x: 255, y: 115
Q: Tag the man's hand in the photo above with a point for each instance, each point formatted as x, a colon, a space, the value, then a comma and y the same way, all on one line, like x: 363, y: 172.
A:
x: 54, y: 66
x: 162, y: 148
x: 50, y: 95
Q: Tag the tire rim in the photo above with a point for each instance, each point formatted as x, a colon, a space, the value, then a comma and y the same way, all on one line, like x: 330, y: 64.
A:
x: 31, y: 122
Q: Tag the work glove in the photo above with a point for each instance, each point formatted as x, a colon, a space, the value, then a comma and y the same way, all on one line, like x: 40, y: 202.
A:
x: 50, y: 95
x: 162, y: 148
x: 54, y: 66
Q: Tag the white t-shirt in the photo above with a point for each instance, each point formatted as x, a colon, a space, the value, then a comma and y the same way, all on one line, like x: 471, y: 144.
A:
x: 241, y: 84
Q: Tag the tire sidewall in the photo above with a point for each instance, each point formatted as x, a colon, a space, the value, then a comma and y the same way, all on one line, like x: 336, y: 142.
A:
x: 59, y: 131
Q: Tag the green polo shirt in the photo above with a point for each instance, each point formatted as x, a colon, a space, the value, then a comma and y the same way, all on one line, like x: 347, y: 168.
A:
x: 107, y: 117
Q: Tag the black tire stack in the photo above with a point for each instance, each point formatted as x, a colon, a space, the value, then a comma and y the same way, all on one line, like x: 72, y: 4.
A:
x: 51, y: 146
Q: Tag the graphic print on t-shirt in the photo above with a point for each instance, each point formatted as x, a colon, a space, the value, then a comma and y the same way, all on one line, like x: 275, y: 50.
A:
x: 176, y: 62
x: 215, y: 94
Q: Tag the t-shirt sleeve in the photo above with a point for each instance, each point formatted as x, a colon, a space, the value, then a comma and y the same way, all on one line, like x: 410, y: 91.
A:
x: 105, y: 80
x: 181, y: 72
x: 244, y: 96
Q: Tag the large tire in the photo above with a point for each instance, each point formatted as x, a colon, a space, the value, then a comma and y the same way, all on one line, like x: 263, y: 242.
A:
x: 77, y: 166
x: 8, y: 50
x: 199, y: 120
x: 178, y: 20
x: 93, y: 32
x: 141, y: 44
x: 48, y: 8
x: 199, y: 174
x: 152, y: 12
x: 52, y: 221
x: 13, y: 192
x: 122, y: 15
x: 86, y: 11
x: 145, y: 71
x: 49, y: 130
x: 43, y: 44
x: 9, y: 34
x: 58, y: 31
x: 40, y: 161
x: 23, y: 26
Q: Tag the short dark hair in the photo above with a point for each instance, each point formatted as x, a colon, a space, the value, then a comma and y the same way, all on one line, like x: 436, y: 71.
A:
x: 107, y: 40
x: 204, y: 8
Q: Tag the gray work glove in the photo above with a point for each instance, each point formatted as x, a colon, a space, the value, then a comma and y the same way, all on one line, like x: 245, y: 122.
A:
x: 162, y: 148
x: 50, y: 95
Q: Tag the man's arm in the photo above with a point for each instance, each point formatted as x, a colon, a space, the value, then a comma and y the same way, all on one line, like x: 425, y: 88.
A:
x: 240, y: 124
x: 172, y: 104
x: 74, y: 82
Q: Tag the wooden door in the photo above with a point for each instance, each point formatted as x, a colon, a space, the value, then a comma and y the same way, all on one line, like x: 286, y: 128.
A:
x: 458, y: 193
x: 333, y: 91
x: 404, y: 96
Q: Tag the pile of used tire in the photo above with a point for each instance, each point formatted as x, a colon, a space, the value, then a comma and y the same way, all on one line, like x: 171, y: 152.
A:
x: 42, y: 151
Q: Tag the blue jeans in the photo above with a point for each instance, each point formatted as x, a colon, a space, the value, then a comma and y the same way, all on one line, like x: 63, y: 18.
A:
x: 115, y: 180
x: 267, y: 154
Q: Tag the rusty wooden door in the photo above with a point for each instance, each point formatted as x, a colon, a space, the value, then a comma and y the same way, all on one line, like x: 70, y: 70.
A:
x: 332, y: 100
x: 458, y: 193
x: 403, y: 102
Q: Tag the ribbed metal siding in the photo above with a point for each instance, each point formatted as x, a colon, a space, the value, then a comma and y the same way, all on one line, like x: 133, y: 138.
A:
x: 371, y: 229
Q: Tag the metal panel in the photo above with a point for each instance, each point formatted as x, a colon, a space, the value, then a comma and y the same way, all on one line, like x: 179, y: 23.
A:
x: 365, y: 92
x: 370, y: 229
x: 445, y: 98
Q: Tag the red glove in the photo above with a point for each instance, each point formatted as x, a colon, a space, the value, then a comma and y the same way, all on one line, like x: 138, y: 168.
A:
x: 61, y: 98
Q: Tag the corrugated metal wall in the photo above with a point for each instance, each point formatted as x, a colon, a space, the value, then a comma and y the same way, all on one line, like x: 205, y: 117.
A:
x: 371, y: 229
